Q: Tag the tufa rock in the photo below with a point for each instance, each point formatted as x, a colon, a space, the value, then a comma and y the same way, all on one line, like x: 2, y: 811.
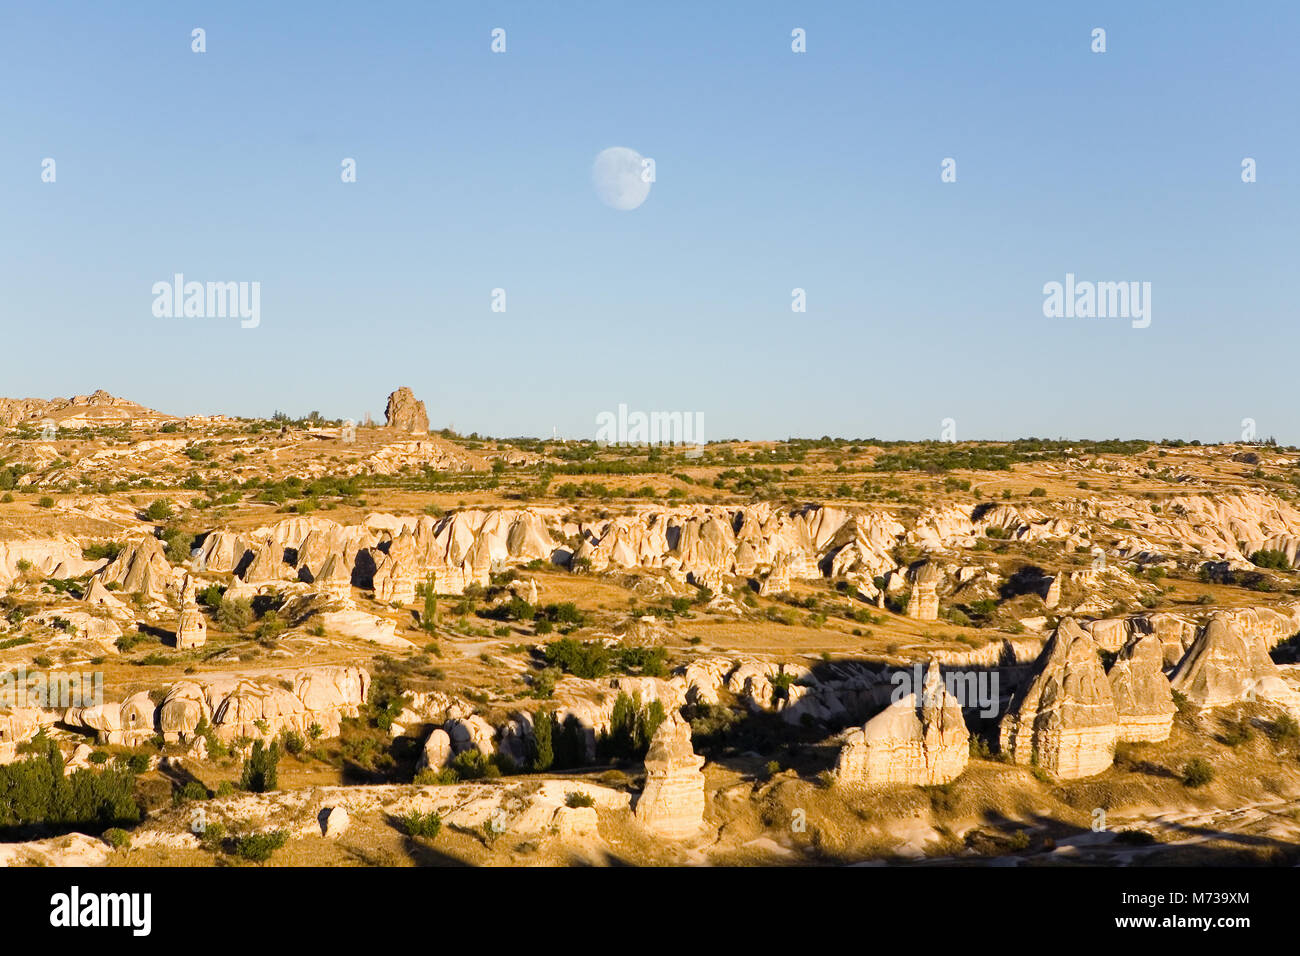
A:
x: 923, y: 604
x: 191, y: 628
x: 405, y: 413
x: 1143, y: 699
x: 914, y: 741
x: 1225, y: 665
x: 1064, y: 718
x: 672, y: 803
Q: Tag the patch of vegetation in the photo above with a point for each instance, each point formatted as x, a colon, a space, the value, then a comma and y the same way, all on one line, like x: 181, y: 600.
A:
x: 426, y: 825
x: 36, y: 791
x: 261, y: 768
x: 1197, y: 773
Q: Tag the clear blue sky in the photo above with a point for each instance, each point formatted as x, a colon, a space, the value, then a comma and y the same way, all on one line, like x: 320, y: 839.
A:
x: 774, y: 170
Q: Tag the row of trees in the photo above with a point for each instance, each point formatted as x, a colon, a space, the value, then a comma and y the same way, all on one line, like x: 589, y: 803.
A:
x: 36, y: 791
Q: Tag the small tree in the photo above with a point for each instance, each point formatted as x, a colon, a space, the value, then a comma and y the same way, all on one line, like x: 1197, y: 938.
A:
x: 159, y: 510
x: 429, y: 619
x: 1197, y: 772
x: 261, y: 771
x: 543, y: 747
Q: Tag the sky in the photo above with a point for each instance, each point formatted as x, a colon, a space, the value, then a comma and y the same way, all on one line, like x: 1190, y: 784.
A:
x: 773, y: 171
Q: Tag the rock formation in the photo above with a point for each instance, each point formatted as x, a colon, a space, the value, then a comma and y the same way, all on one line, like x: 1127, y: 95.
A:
x: 335, y: 577
x: 919, y: 739
x: 405, y: 413
x: 140, y: 568
x: 1053, y: 596
x: 17, y: 726
x: 394, y: 581
x: 233, y: 707
x: 777, y: 580
x: 334, y: 822
x: 1064, y: 717
x: 267, y: 565
x: 221, y: 552
x: 1143, y: 699
x: 191, y: 628
x: 1224, y: 666
x: 129, y: 723
x: 672, y: 803
x: 923, y: 604
x: 436, y: 753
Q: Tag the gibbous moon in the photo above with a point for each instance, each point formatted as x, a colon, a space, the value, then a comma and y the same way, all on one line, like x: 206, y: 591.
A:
x: 616, y: 174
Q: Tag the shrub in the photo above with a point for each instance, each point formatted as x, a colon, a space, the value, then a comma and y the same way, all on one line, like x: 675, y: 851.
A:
x: 589, y: 660
x: 474, y: 765
x: 137, y: 762
x: 1237, y: 732
x: 117, y: 838
x: 261, y: 772
x: 46, y: 502
x: 543, y: 748
x: 35, y: 790
x: 177, y: 543
x: 1272, y: 559
x: 258, y: 847
x: 193, y: 790
x: 1285, y: 729
x: 1197, y: 773
x: 235, y: 613
x: 97, y: 552
x: 293, y: 743
x: 520, y: 610
x: 159, y: 510
x: 429, y: 616
x: 631, y: 726
x: 426, y: 825
x: 648, y: 661
x: 269, y: 628
x: 212, y: 836
x: 576, y: 799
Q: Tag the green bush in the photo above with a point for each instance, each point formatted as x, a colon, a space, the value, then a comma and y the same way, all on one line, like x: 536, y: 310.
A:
x: 193, y: 790
x: 160, y: 510
x: 631, y: 726
x: 543, y: 747
x: 235, y: 613
x: 1285, y: 729
x: 98, y: 552
x: 427, y: 825
x: 589, y: 660
x: 258, y: 847
x: 176, y: 543
x: 578, y: 799
x: 1197, y: 773
x: 261, y: 769
x: 1272, y: 559
x: 474, y: 765
x: 35, y: 790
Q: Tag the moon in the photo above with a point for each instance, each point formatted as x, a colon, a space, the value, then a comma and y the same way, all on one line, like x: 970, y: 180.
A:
x: 616, y: 174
